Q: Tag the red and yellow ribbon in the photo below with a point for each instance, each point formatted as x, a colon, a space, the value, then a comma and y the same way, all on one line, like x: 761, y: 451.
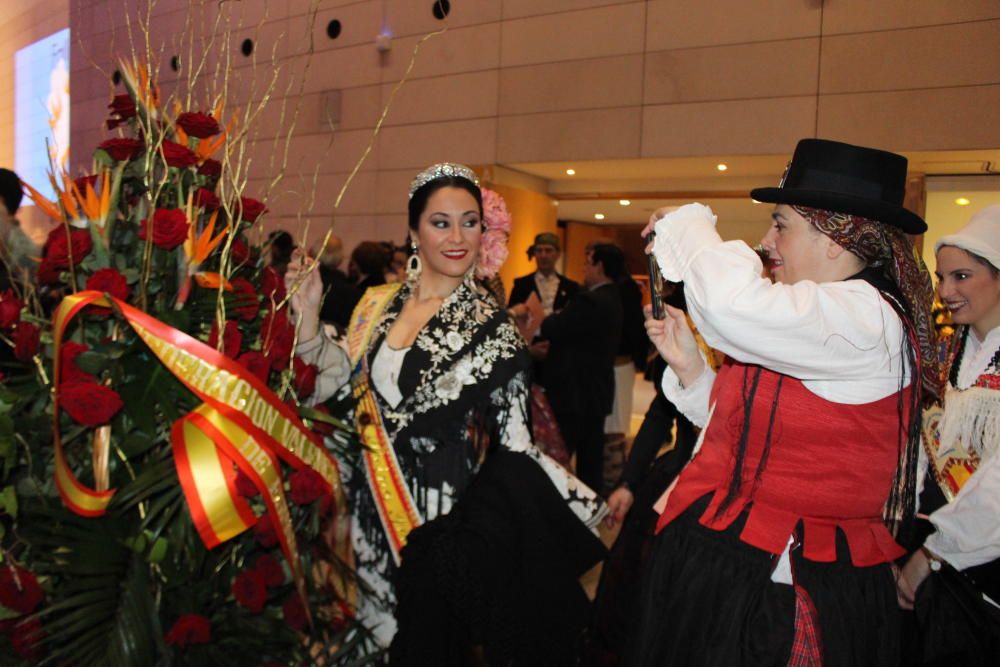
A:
x: 241, y: 422
x: 396, y: 508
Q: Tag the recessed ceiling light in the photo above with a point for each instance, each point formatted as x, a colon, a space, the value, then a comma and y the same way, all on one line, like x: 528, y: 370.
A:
x: 721, y: 167
x: 962, y: 201
x: 755, y: 201
x: 598, y: 216
x: 624, y: 202
x: 571, y: 172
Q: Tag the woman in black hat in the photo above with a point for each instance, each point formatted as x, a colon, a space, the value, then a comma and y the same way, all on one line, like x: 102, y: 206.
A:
x: 775, y: 545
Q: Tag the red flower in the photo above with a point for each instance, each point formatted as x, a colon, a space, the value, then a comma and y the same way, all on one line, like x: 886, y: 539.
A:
x: 26, y: 639
x: 264, y: 531
x: 206, y: 199
x: 83, y: 181
x: 122, y: 149
x: 25, y: 341
x: 250, y: 590
x: 245, y: 486
x: 269, y: 568
x: 256, y: 363
x: 272, y: 285
x: 110, y: 281
x: 67, y: 363
x: 231, y: 339
x: 305, y: 378
x: 48, y: 273
x: 19, y: 590
x: 277, y: 334
x: 89, y: 404
x: 246, y: 303
x: 241, y: 252
x: 58, y: 247
x: 251, y: 209
x: 295, y: 613
x: 199, y: 125
x: 10, y: 309
x: 170, y: 228
x: 189, y: 629
x: 176, y: 155
x: 211, y: 168
x: 306, y: 486
x: 122, y: 108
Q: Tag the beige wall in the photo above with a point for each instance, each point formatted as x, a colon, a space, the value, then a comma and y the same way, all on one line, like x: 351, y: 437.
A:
x: 523, y: 80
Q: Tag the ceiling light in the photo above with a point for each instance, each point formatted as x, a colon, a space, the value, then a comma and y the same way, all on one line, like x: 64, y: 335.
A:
x: 571, y: 172
x: 755, y: 201
x: 962, y: 201
x: 598, y: 216
x: 721, y: 167
x: 624, y: 202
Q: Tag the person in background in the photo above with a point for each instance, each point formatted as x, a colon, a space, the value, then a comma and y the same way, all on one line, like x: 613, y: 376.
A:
x: 280, y: 246
x: 368, y: 265
x: 579, y: 375
x: 554, y: 290
x: 961, y: 497
x: 16, y: 250
x: 339, y: 294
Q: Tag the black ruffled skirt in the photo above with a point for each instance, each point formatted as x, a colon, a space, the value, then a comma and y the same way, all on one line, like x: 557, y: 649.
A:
x: 708, y: 599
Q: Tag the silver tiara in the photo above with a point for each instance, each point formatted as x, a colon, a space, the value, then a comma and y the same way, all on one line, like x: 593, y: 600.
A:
x: 439, y: 170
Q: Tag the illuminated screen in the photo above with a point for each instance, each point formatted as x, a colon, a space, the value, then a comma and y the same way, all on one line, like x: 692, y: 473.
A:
x: 41, y: 110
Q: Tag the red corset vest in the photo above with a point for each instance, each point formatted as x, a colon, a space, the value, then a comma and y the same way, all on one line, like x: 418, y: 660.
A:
x: 830, y: 465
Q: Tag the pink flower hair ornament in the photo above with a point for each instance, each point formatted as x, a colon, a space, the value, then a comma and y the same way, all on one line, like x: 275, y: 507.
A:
x: 493, y: 246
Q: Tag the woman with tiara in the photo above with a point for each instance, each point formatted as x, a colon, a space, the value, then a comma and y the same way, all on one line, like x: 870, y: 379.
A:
x: 440, y: 377
x: 962, y: 495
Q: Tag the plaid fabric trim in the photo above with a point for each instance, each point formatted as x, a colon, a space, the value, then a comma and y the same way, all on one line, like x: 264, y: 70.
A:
x: 807, y: 647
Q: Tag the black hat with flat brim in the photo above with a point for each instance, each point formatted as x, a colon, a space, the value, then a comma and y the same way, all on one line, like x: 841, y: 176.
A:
x: 839, y: 177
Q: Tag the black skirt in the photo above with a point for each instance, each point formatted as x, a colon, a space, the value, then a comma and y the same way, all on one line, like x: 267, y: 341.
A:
x: 708, y: 599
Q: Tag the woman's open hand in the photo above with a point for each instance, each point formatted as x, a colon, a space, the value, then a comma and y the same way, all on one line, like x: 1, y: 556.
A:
x: 305, y: 287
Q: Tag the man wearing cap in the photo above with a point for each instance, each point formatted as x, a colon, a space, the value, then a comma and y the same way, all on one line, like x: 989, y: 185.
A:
x: 553, y: 289
x: 775, y: 545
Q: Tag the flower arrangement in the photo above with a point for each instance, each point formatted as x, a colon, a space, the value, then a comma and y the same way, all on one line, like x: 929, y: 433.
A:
x: 135, y: 527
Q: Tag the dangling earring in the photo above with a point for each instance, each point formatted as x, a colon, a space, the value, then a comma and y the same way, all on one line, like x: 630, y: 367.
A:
x: 413, y: 264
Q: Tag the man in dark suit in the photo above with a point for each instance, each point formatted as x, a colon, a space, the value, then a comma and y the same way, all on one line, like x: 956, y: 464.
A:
x: 554, y: 290
x: 579, y: 373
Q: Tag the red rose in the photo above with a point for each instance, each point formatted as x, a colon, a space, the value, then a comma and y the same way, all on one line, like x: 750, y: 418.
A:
x: 264, y: 531
x: 189, y: 629
x: 67, y: 363
x: 58, y: 247
x: 272, y: 285
x: 122, y: 108
x: 295, y: 613
x: 83, y: 181
x: 26, y: 639
x: 250, y: 591
x: 25, y: 341
x: 277, y: 334
x: 245, y: 299
x: 10, y: 309
x: 251, y: 209
x: 256, y: 363
x: 305, y: 378
x: 211, y: 168
x: 176, y: 155
x: 109, y: 281
x: 89, y: 404
x: 306, y: 485
x: 121, y: 150
x: 231, y: 339
x: 245, y: 486
x: 206, y: 199
x: 48, y: 273
x: 241, y: 252
x: 19, y: 590
x: 269, y: 568
x: 198, y: 125
x: 170, y: 228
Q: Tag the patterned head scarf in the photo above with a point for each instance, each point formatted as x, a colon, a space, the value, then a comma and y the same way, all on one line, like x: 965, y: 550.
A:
x: 888, y: 250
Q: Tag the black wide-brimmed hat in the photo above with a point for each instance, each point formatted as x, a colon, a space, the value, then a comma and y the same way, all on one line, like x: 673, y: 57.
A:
x: 846, y: 179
